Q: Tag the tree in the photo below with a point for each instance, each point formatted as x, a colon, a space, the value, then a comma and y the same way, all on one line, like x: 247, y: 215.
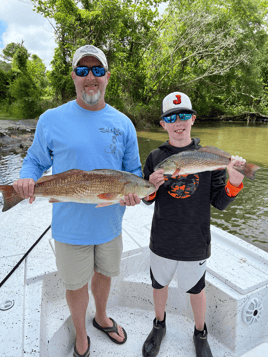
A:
x: 4, y: 66
x: 122, y: 28
x: 3, y: 84
x: 37, y: 70
x: 24, y: 92
x: 210, y: 50
x: 9, y: 51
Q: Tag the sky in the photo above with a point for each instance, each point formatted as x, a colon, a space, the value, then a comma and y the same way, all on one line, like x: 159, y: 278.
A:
x: 19, y: 22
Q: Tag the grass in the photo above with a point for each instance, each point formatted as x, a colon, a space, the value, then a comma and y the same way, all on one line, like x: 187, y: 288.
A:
x: 4, y: 115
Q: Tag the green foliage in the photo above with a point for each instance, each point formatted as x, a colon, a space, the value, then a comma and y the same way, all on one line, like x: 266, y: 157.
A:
x: 4, y: 66
x: 23, y: 85
x: 10, y: 50
x: 123, y: 29
x: 214, y: 50
x: 3, y: 85
x: 27, y: 97
x: 20, y: 58
x: 211, y: 50
x: 60, y: 76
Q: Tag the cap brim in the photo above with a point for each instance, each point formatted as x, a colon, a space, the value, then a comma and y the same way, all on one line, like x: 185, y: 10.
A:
x: 178, y: 110
x: 88, y: 55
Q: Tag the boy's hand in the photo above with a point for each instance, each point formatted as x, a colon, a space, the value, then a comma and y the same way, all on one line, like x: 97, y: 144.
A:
x: 156, y: 178
x: 235, y: 177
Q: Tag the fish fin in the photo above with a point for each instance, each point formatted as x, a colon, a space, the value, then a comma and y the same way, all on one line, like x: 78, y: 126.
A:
x: 44, y: 179
x: 176, y: 173
x: 216, y: 151
x: 104, y: 204
x: 248, y: 170
x: 107, y: 196
x: 61, y: 175
x: 53, y: 200
x: 11, y: 197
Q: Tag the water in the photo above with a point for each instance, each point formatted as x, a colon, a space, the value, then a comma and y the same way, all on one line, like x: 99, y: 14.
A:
x: 247, y: 217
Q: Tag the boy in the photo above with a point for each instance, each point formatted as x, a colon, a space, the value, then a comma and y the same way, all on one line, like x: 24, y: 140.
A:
x: 180, y: 233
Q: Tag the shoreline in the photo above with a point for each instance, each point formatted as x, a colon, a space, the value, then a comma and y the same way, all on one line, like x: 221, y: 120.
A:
x: 16, y: 136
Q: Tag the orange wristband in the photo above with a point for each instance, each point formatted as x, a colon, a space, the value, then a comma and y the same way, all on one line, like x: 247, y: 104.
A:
x: 152, y: 196
x: 231, y: 190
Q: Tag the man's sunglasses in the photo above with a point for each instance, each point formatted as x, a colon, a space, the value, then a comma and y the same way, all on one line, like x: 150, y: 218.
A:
x: 172, y: 118
x: 83, y: 71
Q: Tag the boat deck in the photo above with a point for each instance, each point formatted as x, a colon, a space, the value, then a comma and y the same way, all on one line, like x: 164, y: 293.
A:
x: 39, y: 323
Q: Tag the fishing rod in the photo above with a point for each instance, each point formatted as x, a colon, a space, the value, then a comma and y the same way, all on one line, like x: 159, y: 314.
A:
x: 25, y: 255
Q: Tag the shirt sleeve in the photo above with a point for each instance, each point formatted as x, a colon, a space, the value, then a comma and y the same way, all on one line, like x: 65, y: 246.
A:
x: 39, y: 157
x: 131, y: 159
x: 231, y: 190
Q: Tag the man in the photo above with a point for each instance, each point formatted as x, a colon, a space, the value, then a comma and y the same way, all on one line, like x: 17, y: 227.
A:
x: 85, y: 134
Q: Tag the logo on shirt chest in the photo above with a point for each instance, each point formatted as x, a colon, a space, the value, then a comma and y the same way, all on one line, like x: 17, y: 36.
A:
x: 181, y: 187
x: 111, y: 149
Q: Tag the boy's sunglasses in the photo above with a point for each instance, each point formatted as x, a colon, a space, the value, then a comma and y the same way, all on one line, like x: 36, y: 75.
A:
x: 83, y: 71
x: 172, y: 118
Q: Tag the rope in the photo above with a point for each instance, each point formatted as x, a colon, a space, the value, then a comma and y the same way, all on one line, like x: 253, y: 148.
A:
x: 25, y: 255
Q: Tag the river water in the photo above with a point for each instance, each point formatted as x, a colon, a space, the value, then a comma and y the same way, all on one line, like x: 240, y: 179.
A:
x: 247, y: 217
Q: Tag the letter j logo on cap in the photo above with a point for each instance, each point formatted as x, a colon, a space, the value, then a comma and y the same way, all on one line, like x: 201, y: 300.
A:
x: 178, y: 100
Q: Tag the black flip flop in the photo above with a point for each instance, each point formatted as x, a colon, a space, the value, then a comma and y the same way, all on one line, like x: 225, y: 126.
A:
x: 108, y: 330
x: 86, y: 354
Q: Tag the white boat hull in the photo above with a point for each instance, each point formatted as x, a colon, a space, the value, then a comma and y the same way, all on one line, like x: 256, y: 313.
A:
x: 39, y: 323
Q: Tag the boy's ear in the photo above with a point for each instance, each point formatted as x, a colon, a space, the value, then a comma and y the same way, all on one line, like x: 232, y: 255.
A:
x: 193, y: 119
x: 162, y: 123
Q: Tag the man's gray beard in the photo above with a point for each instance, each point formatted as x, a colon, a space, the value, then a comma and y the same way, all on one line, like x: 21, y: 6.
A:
x: 91, y: 99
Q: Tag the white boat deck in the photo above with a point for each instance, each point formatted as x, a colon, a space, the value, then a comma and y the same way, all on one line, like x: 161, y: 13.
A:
x: 39, y: 323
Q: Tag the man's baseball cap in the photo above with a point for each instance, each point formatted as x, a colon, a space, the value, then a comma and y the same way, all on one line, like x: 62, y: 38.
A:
x: 90, y: 50
x: 176, y: 102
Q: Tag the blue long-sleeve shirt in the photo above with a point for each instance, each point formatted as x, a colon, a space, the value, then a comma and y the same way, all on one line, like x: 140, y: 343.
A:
x: 70, y: 137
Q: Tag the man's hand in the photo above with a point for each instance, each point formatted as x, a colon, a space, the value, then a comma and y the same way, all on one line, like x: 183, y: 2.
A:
x: 25, y: 188
x: 130, y: 200
x: 235, y: 177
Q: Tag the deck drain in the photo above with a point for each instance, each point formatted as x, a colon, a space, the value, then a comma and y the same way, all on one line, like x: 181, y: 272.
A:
x: 252, y: 311
x: 6, y: 305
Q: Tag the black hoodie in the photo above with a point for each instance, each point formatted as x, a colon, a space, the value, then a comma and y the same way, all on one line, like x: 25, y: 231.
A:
x: 181, y: 222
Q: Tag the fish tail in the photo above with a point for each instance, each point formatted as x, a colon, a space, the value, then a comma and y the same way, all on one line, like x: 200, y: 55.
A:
x: 248, y: 170
x: 11, y: 197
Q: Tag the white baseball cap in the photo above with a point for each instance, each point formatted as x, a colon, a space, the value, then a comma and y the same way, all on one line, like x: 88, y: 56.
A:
x: 90, y: 50
x: 176, y: 102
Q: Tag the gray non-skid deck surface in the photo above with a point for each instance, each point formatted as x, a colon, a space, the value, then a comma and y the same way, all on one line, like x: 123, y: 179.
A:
x: 178, y: 341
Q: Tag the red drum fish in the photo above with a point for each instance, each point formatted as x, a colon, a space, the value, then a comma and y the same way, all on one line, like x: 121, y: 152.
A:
x: 102, y: 187
x: 207, y: 158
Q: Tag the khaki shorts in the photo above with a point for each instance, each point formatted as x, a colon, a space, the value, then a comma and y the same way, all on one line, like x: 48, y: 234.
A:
x: 76, y: 263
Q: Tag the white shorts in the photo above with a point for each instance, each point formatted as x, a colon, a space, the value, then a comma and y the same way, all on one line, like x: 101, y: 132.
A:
x: 190, y: 275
